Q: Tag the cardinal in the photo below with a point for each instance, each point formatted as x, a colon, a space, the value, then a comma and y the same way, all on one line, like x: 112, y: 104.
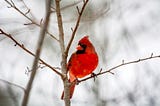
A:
x: 82, y: 62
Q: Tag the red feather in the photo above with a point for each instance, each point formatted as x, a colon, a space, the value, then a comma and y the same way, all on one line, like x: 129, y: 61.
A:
x: 82, y: 62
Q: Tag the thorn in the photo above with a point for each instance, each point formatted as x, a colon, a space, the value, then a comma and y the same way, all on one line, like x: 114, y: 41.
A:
x: 71, y: 29
x: 28, y: 24
x: 41, y: 21
x: 122, y: 61
x: 94, y: 76
x: 15, y: 44
x: 22, y: 46
x: 100, y: 70
x: 78, y: 9
x: 27, y: 12
x: 25, y: 24
x: 111, y: 72
x: 151, y: 55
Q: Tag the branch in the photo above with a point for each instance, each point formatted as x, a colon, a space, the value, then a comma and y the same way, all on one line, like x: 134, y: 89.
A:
x: 64, y: 55
x: 53, y: 10
x: 13, y: 84
x: 12, y: 5
x: 120, y: 65
x: 28, y: 51
x: 66, y: 83
x: 38, y: 52
x: 77, y: 24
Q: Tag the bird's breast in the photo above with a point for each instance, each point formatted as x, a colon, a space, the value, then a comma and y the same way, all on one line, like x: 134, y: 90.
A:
x: 83, y: 65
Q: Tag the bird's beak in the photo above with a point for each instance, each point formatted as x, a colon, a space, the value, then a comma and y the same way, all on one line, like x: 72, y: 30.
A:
x: 79, y: 47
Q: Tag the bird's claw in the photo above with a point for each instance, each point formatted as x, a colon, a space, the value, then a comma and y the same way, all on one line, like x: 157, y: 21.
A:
x: 76, y: 81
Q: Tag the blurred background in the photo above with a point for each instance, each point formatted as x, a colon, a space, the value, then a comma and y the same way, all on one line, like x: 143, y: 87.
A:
x: 119, y: 29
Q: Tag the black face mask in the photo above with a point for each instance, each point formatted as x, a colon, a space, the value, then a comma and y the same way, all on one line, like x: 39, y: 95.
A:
x: 83, y: 50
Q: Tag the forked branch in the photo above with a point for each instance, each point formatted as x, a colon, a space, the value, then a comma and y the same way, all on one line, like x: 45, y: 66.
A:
x: 12, y: 5
x: 63, y: 54
x: 80, y: 12
x: 28, y: 51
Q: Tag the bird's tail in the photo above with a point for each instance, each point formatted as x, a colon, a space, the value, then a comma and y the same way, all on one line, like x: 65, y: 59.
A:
x: 71, y: 91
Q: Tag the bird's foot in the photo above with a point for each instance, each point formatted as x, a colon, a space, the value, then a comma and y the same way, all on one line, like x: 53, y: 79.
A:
x: 76, y: 81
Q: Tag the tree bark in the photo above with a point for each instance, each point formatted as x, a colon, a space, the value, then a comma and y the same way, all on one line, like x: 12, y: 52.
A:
x: 64, y: 55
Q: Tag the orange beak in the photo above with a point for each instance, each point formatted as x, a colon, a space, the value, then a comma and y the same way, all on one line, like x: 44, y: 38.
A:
x: 79, y: 47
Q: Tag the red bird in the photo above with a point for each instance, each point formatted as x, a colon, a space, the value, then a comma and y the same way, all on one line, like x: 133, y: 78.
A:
x: 82, y: 62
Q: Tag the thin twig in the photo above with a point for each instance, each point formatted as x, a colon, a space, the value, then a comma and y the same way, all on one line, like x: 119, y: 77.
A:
x: 120, y: 65
x: 12, y: 5
x: 29, y: 10
x: 76, y: 26
x: 28, y: 51
x: 10, y: 83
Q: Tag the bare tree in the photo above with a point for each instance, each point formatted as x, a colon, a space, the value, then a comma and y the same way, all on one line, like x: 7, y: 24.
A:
x: 64, y: 49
